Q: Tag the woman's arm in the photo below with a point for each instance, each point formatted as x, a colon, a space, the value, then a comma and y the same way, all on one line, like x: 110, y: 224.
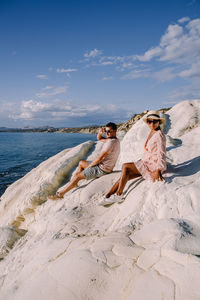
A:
x: 161, y: 152
x: 157, y: 175
x: 161, y: 158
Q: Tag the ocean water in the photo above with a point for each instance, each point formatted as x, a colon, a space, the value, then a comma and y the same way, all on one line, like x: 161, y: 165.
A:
x: 21, y: 152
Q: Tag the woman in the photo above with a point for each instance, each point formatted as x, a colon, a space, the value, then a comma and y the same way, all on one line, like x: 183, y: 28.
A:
x: 151, y: 166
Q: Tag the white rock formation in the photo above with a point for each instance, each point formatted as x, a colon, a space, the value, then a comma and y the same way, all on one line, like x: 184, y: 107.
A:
x: 147, y: 247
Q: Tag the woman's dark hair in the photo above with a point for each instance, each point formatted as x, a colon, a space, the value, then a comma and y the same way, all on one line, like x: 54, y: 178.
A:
x: 159, y: 125
x: 112, y: 125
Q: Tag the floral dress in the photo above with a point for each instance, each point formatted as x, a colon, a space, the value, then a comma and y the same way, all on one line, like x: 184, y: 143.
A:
x: 154, y: 157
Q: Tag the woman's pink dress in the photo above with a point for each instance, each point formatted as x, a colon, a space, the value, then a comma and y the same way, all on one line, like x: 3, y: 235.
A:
x: 154, y: 157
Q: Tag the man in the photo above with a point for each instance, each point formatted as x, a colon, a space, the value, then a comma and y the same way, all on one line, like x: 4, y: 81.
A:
x: 100, y: 166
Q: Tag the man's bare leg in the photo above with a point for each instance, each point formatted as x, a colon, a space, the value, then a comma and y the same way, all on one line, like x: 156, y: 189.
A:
x: 83, y: 164
x: 72, y: 184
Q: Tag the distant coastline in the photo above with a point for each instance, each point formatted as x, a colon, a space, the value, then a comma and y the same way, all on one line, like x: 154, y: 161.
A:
x: 89, y: 129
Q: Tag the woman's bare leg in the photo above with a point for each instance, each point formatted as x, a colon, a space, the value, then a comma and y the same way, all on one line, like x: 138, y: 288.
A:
x: 113, y: 189
x: 129, y: 171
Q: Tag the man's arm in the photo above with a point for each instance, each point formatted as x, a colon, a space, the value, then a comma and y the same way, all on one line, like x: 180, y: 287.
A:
x: 99, y: 135
x: 98, y: 159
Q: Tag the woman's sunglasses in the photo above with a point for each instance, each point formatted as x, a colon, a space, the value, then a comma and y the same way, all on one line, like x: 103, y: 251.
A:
x: 152, y: 121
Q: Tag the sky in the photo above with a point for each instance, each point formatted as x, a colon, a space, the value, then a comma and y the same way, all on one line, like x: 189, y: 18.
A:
x: 72, y: 63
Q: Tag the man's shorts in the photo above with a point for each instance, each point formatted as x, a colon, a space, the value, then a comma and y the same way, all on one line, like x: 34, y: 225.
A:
x: 93, y: 172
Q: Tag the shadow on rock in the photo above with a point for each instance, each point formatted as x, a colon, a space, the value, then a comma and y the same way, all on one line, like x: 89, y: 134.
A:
x: 133, y: 185
x: 90, y: 181
x: 167, y: 125
x: 186, y: 168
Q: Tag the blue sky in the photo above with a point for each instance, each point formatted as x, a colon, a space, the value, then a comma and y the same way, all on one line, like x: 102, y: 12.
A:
x: 79, y: 63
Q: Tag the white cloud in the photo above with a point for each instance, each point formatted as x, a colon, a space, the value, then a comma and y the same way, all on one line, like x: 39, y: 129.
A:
x: 65, y: 70
x: 183, y: 20
x: 29, y: 109
x: 88, y: 108
x: 42, y: 112
x: 107, y: 78
x: 112, y: 107
x: 48, y: 87
x: 180, y: 44
x: 171, y: 103
x: 57, y: 109
x: 110, y: 60
x: 7, y: 107
x: 50, y: 91
x: 41, y: 76
x: 120, y: 62
x: 93, y: 53
x: 65, y: 114
x: 127, y: 65
x: 105, y: 63
x: 188, y: 92
x: 173, y: 33
x: 164, y: 74
x: 137, y: 73
x: 193, y: 71
x: 148, y: 55
x: 169, y: 48
x: 194, y: 27
x: 176, y: 56
x: 183, y: 48
x: 33, y: 109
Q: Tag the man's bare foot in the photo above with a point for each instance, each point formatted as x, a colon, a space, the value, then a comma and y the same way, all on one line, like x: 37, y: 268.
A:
x: 56, y: 196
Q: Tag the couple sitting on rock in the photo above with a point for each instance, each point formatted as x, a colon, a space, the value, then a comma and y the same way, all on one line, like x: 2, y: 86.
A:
x: 151, y: 166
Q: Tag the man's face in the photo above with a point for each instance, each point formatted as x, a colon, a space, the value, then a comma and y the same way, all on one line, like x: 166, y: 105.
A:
x: 109, y: 132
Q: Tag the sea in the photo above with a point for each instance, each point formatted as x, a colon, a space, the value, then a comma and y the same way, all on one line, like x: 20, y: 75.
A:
x: 21, y: 152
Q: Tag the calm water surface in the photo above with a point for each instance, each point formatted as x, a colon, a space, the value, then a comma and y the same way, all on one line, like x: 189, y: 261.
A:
x: 21, y: 152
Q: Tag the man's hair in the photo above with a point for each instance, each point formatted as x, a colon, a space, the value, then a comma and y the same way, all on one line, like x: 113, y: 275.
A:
x: 112, y: 125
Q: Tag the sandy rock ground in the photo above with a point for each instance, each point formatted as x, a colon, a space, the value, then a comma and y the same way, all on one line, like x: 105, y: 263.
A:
x: 147, y: 247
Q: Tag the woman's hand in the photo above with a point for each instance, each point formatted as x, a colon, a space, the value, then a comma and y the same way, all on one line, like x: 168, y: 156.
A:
x: 157, y: 176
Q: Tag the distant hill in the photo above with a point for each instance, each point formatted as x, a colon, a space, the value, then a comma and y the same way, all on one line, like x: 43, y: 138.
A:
x: 29, y: 129
x: 88, y: 129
